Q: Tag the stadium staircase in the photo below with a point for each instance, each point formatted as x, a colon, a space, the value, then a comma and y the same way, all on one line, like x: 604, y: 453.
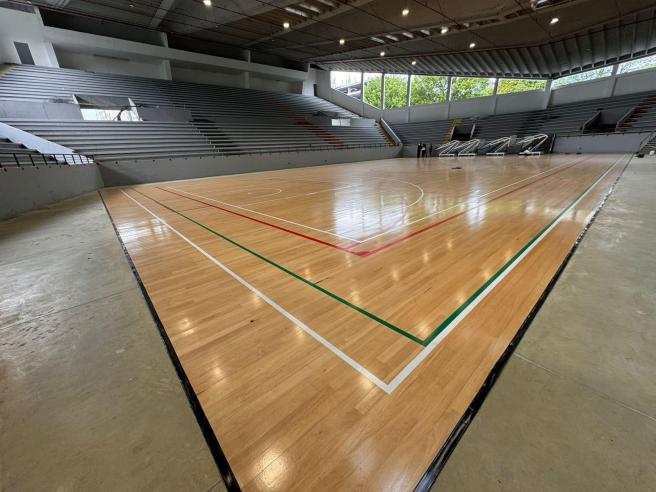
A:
x: 643, y: 115
x: 650, y: 146
x: 222, y: 120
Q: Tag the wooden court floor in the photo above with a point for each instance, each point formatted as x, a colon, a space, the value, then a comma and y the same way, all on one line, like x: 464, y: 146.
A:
x: 335, y: 322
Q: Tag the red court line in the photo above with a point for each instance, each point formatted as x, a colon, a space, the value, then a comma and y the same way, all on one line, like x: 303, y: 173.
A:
x: 365, y: 253
x: 304, y: 236
x: 451, y: 217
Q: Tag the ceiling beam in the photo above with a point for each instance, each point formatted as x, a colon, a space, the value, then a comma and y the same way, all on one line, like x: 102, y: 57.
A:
x: 342, y: 9
x: 160, y: 13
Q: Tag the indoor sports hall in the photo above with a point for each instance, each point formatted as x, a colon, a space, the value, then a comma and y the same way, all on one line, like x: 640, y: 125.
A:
x: 327, y: 245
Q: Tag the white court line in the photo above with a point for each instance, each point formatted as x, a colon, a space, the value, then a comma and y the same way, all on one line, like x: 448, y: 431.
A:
x: 459, y: 204
x: 426, y: 351
x: 407, y: 370
x: 303, y: 194
x: 355, y: 365
x: 266, y: 215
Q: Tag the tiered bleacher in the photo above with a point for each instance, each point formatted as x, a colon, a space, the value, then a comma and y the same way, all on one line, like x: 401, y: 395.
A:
x: 222, y: 120
x: 561, y: 119
x: 433, y: 132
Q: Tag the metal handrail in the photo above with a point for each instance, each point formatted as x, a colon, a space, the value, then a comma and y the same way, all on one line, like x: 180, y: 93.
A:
x: 446, y: 150
x: 38, y: 159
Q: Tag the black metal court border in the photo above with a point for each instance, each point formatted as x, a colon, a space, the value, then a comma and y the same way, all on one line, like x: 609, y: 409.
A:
x: 211, y: 439
x: 439, y: 462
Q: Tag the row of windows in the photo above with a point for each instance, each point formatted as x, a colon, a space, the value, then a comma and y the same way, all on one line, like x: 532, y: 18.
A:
x: 428, y: 89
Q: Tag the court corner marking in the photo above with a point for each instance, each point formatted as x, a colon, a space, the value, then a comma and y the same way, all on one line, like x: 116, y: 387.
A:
x: 351, y: 362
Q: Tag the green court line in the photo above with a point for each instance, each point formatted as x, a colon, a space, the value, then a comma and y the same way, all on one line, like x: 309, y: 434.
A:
x: 296, y: 276
x: 410, y: 336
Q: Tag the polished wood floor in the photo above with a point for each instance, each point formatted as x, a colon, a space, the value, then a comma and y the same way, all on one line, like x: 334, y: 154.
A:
x: 336, y: 321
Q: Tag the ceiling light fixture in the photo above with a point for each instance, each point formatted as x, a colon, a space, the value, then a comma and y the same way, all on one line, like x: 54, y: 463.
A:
x: 425, y: 31
x: 382, y: 53
x: 285, y: 25
x: 393, y: 38
x: 408, y: 35
x: 208, y: 3
x: 414, y: 62
x: 472, y: 45
x: 444, y: 29
x: 555, y: 20
x: 377, y: 40
x: 342, y: 41
x: 405, y: 12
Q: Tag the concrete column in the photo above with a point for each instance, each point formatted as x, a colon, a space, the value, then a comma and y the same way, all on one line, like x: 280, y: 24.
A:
x: 495, y: 95
x: 246, y: 76
x: 166, y: 70
x: 448, y: 98
x: 407, y: 93
x: 382, y: 93
x: 547, y: 95
x: 613, y: 81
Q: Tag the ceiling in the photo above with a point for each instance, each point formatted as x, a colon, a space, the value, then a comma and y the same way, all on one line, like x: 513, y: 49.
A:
x: 512, y: 38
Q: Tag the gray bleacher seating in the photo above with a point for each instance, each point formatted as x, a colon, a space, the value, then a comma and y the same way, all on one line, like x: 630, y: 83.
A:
x: 430, y: 132
x: 566, y: 118
x: 224, y: 120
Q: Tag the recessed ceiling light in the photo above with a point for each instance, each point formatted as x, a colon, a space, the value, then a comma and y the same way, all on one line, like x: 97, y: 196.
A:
x: 472, y: 45
x: 382, y: 53
x: 208, y: 3
x: 555, y: 20
x: 285, y: 25
x: 414, y: 62
x: 425, y: 31
x: 444, y: 29
x: 405, y: 12
x: 342, y: 41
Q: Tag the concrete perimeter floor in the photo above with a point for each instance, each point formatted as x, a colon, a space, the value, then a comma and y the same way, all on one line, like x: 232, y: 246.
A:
x: 575, y: 407
x: 89, y: 399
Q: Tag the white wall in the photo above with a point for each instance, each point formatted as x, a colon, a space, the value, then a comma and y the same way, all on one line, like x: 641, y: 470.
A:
x: 103, y: 64
x: 207, y: 77
x: 582, y: 91
x: 27, y: 28
x: 629, y: 83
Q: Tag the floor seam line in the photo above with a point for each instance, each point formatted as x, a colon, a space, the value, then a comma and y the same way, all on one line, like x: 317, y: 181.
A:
x: 587, y: 386
x: 29, y: 320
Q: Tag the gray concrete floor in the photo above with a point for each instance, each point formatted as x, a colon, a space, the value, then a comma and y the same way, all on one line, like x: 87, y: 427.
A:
x: 89, y: 399
x: 575, y: 407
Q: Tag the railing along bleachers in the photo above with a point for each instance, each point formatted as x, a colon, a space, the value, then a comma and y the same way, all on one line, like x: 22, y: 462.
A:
x: 222, y: 120
x: 13, y: 154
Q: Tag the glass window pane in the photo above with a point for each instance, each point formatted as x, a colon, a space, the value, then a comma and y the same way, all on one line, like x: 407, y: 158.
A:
x: 396, y: 91
x: 582, y: 77
x: 372, y: 89
x: 426, y: 89
x: 640, y: 64
x: 349, y: 83
x: 511, y: 86
x: 468, y: 87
